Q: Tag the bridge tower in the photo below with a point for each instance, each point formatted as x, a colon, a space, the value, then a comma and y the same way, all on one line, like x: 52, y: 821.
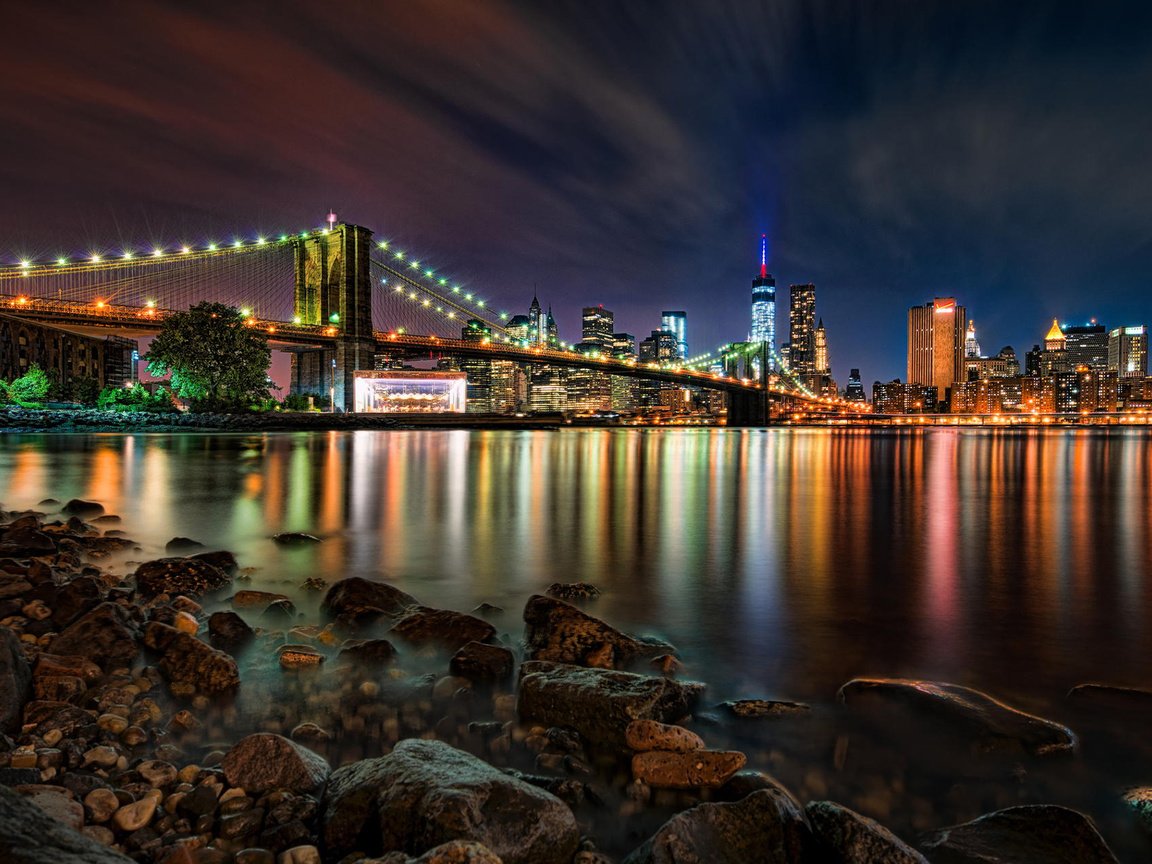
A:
x: 753, y: 408
x: 334, y: 289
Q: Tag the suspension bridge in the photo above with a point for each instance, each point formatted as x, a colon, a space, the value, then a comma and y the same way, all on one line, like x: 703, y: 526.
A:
x: 335, y: 298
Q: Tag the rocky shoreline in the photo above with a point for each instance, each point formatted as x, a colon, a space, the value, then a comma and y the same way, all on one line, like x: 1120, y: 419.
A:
x: 164, y: 711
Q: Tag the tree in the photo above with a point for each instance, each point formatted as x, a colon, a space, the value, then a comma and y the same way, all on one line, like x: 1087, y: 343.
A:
x: 216, y: 360
x: 30, y: 389
x: 135, y: 398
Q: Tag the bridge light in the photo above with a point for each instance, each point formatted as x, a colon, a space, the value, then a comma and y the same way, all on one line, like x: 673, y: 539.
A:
x: 455, y: 289
x: 480, y: 303
x: 151, y: 304
x: 184, y: 250
x: 295, y: 319
x: 399, y: 256
x: 443, y: 281
x: 100, y: 304
x: 61, y: 262
x: 247, y: 313
x: 415, y: 265
x: 157, y: 253
x: 95, y: 259
x: 334, y: 318
x: 128, y: 255
x: 426, y: 302
x: 467, y: 296
x: 25, y: 264
x: 428, y: 273
x: 503, y: 316
x: 400, y: 288
x: 23, y: 301
x: 303, y: 233
x: 236, y: 244
x: 382, y: 245
x: 260, y: 241
x: 452, y: 315
x: 283, y: 237
x: 211, y: 247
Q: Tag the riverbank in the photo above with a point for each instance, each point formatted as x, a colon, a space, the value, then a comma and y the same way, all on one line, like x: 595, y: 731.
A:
x: 169, y: 711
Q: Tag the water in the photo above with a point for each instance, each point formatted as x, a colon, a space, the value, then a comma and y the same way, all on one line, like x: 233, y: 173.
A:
x: 781, y: 563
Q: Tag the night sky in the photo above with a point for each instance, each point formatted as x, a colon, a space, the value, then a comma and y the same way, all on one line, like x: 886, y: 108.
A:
x: 628, y: 154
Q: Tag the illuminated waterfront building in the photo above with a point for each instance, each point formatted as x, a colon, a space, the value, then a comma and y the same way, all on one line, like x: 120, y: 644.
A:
x: 936, y: 333
x: 971, y: 346
x: 764, y: 305
x: 519, y: 328
x: 1086, y: 345
x: 624, y: 388
x: 537, y: 323
x: 676, y: 323
x: 409, y: 391
x: 854, y: 392
x: 821, y: 350
x: 1128, y: 351
x: 1003, y: 365
x: 597, y: 326
x: 896, y: 397
x: 801, y: 348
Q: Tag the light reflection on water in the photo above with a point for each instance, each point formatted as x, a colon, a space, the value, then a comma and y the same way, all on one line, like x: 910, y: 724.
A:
x: 781, y: 562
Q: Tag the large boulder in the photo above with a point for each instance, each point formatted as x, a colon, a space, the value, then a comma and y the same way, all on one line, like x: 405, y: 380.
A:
x: 359, y: 599
x: 765, y: 827
x: 846, y: 837
x: 106, y: 635
x: 1021, y: 835
x: 600, y: 703
x: 453, y: 852
x: 81, y: 595
x: 561, y: 633
x: 189, y: 662
x: 28, y: 835
x: 441, y: 628
x: 25, y: 542
x: 189, y: 576
x: 83, y: 509
x: 426, y: 793
x: 1110, y: 699
x: 15, y: 680
x: 263, y: 762
x: 228, y: 631
x: 985, y: 723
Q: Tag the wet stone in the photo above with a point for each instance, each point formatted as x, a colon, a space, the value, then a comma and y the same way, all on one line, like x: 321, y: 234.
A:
x: 848, y: 837
x: 699, y: 768
x: 101, y: 804
x: 179, y: 576
x: 441, y: 628
x: 132, y: 817
x: 255, y: 599
x: 299, y: 657
x: 482, y: 663
x: 1020, y: 835
x: 643, y: 735
x: 559, y: 632
x: 758, y: 709
x: 228, y: 631
x: 260, y: 762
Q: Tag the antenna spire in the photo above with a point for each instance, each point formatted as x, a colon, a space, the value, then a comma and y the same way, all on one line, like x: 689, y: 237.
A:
x: 763, y: 256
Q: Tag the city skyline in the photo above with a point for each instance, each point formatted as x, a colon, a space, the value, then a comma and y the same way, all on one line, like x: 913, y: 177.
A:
x: 951, y: 153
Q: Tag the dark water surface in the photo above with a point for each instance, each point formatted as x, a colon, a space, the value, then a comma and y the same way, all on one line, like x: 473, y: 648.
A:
x: 780, y: 562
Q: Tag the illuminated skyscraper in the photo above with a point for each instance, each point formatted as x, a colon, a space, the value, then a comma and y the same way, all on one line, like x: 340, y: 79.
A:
x: 971, y: 346
x: 1087, y: 345
x: 676, y: 323
x: 597, y: 326
x: 537, y: 323
x: 764, y: 305
x: 1128, y: 351
x: 936, y: 344
x: 821, y: 350
x: 801, y: 354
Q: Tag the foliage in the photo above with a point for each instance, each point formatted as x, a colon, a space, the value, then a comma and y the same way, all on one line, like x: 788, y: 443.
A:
x: 135, y: 398
x: 82, y: 388
x: 215, y: 360
x: 30, y: 389
x: 299, y: 402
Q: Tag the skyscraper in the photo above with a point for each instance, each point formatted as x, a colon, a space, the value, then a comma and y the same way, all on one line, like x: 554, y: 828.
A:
x: 1087, y: 345
x: 802, y: 329
x: 821, y: 350
x: 971, y: 346
x: 1128, y: 351
x: 854, y: 392
x: 597, y: 326
x: 764, y: 305
x: 936, y: 334
x: 676, y: 323
x: 537, y: 324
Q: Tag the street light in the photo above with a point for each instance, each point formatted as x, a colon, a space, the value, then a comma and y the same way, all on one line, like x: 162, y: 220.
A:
x: 332, y: 389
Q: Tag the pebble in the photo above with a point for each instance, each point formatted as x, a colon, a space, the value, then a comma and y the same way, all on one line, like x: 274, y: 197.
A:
x: 99, y: 833
x: 668, y: 770
x: 157, y: 772
x: 114, y: 724
x: 300, y: 855
x: 299, y: 656
x: 133, y: 817
x: 101, y: 757
x: 644, y: 735
x: 186, y: 623
x: 101, y: 804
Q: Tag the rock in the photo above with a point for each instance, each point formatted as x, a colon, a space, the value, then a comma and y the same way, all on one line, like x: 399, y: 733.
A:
x: 756, y: 709
x: 157, y: 772
x: 663, y: 769
x: 222, y: 560
x: 188, y: 661
x: 295, y: 538
x: 1139, y: 801
x: 986, y: 723
x: 179, y: 545
x: 83, y: 509
x: 358, y: 599
x: 1127, y: 700
x: 442, y: 628
x: 559, y: 632
x: 65, y: 665
x: 600, y: 703
x: 29, y: 836
x: 15, y: 680
x: 764, y: 827
x: 255, y: 599
x: 1020, y: 835
x: 179, y: 576
x: 57, y: 802
x: 300, y: 855
x: 299, y: 657
x: 371, y: 652
x: 644, y: 735
x: 263, y: 762
x: 25, y: 542
x: 81, y: 595
x: 134, y: 816
x: 482, y: 663
x: 846, y: 837
x: 105, y: 635
x: 452, y: 852
x: 426, y: 793
x: 573, y: 590
x: 101, y: 804
x: 228, y: 631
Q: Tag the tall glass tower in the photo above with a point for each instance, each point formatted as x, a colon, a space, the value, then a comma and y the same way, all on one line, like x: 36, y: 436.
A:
x: 764, y: 305
x: 676, y: 322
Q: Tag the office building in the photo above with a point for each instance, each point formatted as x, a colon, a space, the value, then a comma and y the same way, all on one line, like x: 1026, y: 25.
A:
x: 936, y: 333
x: 1128, y: 351
x: 624, y: 388
x: 597, y: 326
x: 821, y: 351
x: 1086, y: 345
x: 764, y: 306
x: 1003, y: 365
x: 854, y: 392
x: 676, y: 323
x: 801, y: 352
x: 971, y: 346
